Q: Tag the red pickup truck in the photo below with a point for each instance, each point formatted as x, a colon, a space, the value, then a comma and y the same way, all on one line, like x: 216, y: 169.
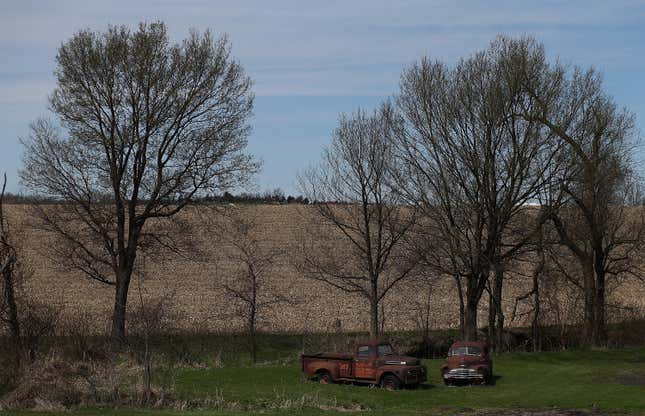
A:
x: 373, y: 362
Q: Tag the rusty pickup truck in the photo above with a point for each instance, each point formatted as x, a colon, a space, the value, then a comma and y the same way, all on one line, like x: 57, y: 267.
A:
x: 373, y: 362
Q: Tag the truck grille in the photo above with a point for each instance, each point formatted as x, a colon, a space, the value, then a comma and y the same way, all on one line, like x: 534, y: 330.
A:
x: 463, y: 373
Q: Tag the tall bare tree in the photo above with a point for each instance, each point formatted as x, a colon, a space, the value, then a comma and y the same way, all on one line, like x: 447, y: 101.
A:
x: 471, y: 163
x: 355, y: 201
x: 591, y: 218
x: 148, y: 125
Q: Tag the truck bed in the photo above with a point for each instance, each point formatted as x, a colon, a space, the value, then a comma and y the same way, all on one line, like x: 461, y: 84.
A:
x: 329, y: 356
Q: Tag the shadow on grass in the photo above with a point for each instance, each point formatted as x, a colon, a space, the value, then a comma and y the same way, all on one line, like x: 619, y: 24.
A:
x: 423, y: 386
x: 469, y: 383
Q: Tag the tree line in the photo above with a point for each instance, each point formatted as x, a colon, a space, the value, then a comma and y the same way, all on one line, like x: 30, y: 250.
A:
x: 500, y: 158
x: 466, y: 171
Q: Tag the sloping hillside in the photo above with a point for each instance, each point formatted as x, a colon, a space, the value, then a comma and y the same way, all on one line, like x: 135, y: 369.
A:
x: 194, y: 289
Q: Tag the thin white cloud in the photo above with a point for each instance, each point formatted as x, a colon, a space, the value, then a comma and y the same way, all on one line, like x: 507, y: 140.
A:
x: 324, y: 48
x: 311, y: 40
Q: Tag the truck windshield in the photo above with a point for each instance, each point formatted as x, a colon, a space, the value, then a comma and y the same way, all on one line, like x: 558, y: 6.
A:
x: 465, y: 351
x: 385, y: 349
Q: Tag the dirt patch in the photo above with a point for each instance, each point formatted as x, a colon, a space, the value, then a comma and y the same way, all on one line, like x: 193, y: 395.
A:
x: 632, y: 379
x: 344, y: 409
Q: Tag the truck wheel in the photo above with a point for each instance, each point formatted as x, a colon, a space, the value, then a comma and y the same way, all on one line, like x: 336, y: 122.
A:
x: 390, y: 382
x: 324, y: 377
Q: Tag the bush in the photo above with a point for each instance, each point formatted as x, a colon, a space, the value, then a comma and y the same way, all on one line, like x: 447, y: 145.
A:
x: 79, y: 339
x: 55, y: 383
x: 38, y: 321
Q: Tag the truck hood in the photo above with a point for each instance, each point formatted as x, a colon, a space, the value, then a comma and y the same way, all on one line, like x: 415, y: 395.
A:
x: 400, y: 360
x: 464, y: 361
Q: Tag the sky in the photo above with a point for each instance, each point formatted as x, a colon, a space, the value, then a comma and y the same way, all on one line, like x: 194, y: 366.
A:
x: 313, y: 60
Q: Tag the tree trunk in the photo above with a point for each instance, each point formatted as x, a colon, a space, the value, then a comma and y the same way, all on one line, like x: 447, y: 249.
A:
x: 589, y: 303
x: 470, y: 321
x: 252, y: 340
x: 381, y: 327
x: 462, y: 313
x: 535, y: 323
x: 427, y: 311
x: 498, y: 286
x: 10, y: 296
x: 12, y: 309
x: 148, y: 369
x: 600, y: 319
x: 374, y: 332
x: 121, y: 302
x: 492, y: 312
x: 475, y: 286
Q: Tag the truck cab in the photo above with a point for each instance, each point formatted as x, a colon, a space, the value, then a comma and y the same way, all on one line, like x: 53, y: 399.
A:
x: 372, y: 362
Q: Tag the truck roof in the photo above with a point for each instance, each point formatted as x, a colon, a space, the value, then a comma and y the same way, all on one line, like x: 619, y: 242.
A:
x: 480, y: 344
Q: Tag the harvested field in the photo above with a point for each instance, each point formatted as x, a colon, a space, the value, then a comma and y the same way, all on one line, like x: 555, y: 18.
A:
x: 199, y: 302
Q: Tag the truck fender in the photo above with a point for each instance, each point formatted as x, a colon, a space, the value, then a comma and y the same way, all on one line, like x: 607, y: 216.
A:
x: 325, y: 369
x: 386, y: 373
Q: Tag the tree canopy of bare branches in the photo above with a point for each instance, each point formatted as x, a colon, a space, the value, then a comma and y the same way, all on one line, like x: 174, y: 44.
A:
x: 470, y: 162
x: 146, y: 125
x: 354, y: 182
x: 247, y: 284
x: 504, y: 129
x: 591, y: 212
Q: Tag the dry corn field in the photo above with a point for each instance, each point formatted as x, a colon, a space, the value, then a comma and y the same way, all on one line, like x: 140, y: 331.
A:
x: 198, y: 302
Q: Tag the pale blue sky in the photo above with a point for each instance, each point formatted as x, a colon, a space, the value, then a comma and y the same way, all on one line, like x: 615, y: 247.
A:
x: 312, y: 60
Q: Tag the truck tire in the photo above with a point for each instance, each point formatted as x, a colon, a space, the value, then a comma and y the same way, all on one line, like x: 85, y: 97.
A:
x: 390, y: 382
x: 324, y: 377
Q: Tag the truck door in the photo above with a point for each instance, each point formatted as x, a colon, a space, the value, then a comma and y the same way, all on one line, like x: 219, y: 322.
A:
x: 365, y: 362
x: 344, y: 369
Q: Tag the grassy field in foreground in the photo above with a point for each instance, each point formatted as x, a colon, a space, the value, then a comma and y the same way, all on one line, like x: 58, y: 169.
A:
x: 609, y: 380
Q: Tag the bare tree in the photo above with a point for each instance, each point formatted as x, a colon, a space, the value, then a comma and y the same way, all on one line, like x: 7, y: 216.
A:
x: 8, y: 266
x: 148, y: 319
x: 148, y: 125
x: 535, y: 260
x: 470, y: 163
x: 591, y: 217
x: 420, y: 305
x: 28, y: 321
x: 352, y: 185
x: 253, y: 259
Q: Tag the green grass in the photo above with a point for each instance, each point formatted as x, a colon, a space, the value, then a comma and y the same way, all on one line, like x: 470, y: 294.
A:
x: 581, y: 380
x: 568, y: 380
